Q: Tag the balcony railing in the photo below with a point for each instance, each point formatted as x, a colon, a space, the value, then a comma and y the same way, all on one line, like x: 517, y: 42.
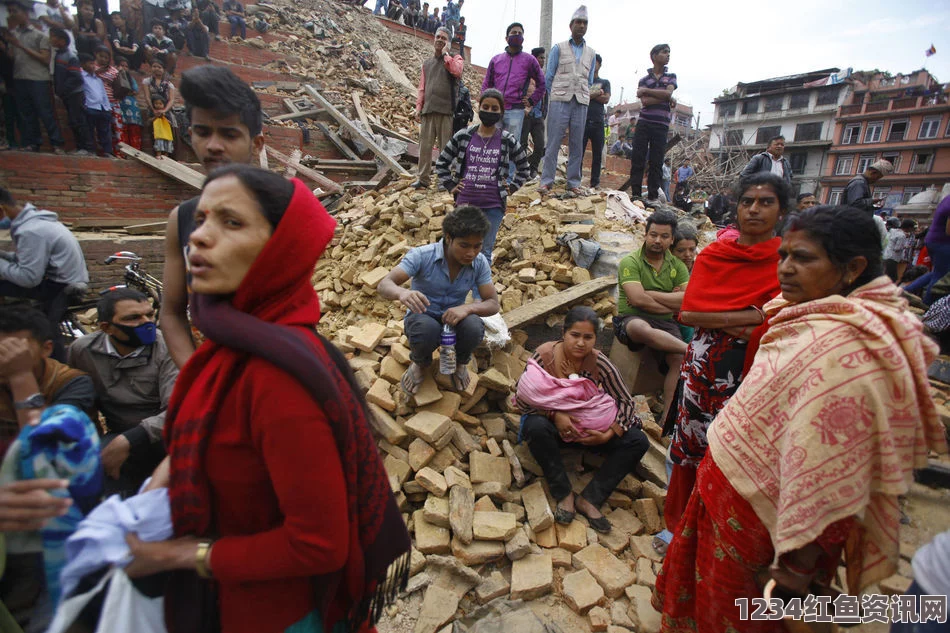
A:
x: 876, y: 107
x: 851, y: 109
x: 905, y: 103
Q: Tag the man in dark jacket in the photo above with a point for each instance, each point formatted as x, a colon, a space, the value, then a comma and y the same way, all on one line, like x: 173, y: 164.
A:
x: 771, y: 160
x: 68, y: 86
x: 134, y: 376
x: 534, y: 122
x: 858, y: 192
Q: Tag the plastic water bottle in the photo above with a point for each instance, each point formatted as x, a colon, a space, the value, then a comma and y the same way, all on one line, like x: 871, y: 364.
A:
x: 447, y: 362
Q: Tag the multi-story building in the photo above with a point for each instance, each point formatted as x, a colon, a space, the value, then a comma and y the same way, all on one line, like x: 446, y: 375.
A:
x: 627, y: 113
x: 904, y: 119
x: 799, y: 107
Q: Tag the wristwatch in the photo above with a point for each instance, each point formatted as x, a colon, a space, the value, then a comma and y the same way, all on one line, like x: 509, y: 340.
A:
x: 36, y: 401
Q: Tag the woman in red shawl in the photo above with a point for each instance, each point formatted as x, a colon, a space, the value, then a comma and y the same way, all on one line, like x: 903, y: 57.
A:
x: 808, y: 458
x: 282, y: 512
x: 731, y: 280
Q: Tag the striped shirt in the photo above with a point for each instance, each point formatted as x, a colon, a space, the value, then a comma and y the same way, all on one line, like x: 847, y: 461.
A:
x: 659, y: 112
x: 611, y: 383
x: 108, y: 76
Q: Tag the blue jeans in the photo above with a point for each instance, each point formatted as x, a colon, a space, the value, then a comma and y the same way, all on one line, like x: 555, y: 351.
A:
x: 565, y: 116
x: 424, y: 332
x: 238, y: 24
x: 495, y: 216
x: 382, y: 7
x: 513, y: 121
x: 940, y: 257
x: 33, y: 100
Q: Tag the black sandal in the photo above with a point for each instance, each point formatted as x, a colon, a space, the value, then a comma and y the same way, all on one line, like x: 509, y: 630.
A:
x: 600, y: 524
x: 564, y: 517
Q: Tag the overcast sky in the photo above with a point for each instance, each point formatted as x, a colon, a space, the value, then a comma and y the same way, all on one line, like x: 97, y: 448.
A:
x: 715, y: 45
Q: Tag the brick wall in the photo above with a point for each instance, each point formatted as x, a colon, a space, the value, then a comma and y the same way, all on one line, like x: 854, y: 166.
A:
x: 77, y: 187
x: 96, y: 248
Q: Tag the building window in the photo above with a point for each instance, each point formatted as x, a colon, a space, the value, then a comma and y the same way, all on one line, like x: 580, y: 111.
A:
x: 750, y: 107
x: 898, y: 131
x: 864, y: 161
x: 947, y: 133
x: 929, y: 128
x: 873, y: 132
x: 852, y: 134
x: 881, y: 193
x: 828, y: 96
x: 733, y: 137
x: 922, y: 162
x: 910, y: 192
x: 763, y: 134
x: 845, y: 165
x: 894, y: 158
x: 798, y: 101
x: 808, y: 131
x: 774, y: 103
x: 834, y: 197
x: 798, y: 160
x: 727, y: 109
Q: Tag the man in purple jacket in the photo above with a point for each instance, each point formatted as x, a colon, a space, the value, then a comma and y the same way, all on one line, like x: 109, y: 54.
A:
x: 511, y: 72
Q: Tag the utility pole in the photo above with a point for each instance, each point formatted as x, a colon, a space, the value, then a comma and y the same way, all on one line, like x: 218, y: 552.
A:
x: 547, y: 15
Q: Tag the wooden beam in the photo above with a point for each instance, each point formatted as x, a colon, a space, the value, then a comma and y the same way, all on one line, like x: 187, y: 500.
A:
x: 338, y: 143
x: 383, y: 177
x: 353, y: 166
x: 346, y: 123
x: 320, y: 163
x: 296, y: 115
x: 359, y: 110
x: 100, y: 223
x: 315, y: 176
x: 150, y: 227
x: 167, y: 166
x: 379, y: 129
x: 545, y: 305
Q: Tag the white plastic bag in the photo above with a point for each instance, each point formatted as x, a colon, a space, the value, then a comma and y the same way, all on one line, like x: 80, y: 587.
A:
x: 496, y: 331
x: 125, y: 609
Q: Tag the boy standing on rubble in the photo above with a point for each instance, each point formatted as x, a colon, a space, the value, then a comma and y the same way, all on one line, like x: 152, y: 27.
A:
x: 649, y: 142
x: 226, y: 124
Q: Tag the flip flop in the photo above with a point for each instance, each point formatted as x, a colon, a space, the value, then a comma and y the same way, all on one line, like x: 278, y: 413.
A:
x: 457, y: 378
x: 408, y: 384
x: 600, y: 524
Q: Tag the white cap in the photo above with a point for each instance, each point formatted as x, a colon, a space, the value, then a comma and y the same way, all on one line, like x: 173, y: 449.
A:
x: 580, y: 14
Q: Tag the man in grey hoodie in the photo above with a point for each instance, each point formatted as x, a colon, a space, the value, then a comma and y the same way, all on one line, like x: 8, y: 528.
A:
x: 47, y: 263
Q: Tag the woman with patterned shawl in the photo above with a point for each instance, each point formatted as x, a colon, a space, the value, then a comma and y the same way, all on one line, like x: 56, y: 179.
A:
x: 731, y: 280
x: 807, y: 460
x: 283, y: 517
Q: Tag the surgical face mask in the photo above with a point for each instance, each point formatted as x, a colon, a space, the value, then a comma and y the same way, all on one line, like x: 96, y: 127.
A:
x: 144, y: 334
x: 515, y: 41
x: 489, y: 118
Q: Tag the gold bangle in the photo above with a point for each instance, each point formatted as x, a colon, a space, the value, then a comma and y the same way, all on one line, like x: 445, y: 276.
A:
x: 203, y: 559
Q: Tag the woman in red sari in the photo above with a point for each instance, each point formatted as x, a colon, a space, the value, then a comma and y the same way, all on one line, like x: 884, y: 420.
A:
x: 807, y: 459
x: 282, y: 512
x: 731, y: 280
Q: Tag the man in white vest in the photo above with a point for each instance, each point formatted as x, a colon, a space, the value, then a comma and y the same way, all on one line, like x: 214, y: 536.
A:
x: 569, y: 76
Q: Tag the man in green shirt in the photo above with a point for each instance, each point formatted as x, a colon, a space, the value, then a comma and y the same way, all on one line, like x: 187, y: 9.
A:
x: 651, y: 287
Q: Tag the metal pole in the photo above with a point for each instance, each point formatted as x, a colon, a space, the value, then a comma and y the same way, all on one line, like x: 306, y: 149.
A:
x: 547, y: 16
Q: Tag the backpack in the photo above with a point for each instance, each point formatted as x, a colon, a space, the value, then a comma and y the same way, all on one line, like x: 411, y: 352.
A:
x: 122, y: 86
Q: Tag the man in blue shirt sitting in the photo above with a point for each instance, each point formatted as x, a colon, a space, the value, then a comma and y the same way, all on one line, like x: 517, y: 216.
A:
x: 442, y: 275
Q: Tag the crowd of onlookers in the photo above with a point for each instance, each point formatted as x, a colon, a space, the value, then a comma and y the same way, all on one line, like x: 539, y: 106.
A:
x: 417, y: 15
x: 100, y: 66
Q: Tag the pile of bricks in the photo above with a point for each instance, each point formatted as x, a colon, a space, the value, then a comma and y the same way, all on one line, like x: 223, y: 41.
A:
x: 474, y: 498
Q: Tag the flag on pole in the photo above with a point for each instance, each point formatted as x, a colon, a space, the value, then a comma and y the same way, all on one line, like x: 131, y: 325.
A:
x: 930, y: 51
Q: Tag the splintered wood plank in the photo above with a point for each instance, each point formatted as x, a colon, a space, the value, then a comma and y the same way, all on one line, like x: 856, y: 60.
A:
x: 315, y: 176
x: 168, y: 166
x: 338, y: 143
x: 346, y: 123
x: 359, y: 110
x: 545, y: 305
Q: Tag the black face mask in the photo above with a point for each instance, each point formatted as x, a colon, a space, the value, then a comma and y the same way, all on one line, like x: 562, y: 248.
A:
x: 489, y: 118
x: 139, y: 335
